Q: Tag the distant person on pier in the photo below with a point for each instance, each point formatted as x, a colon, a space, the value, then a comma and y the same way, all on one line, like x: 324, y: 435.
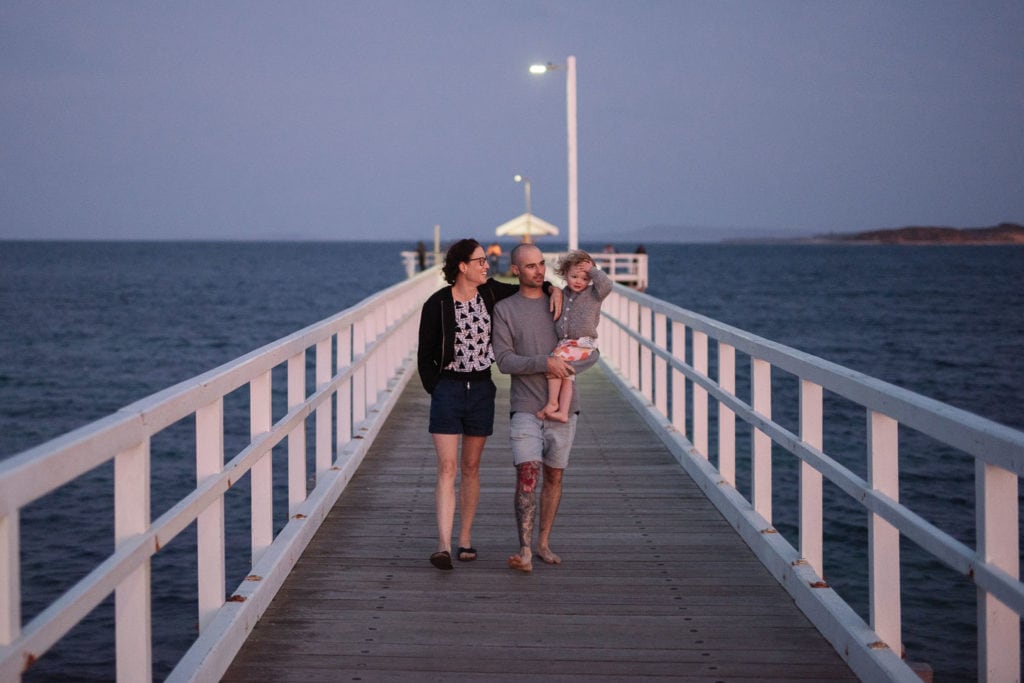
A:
x: 494, y: 256
x: 586, y: 287
x: 523, y: 339
x: 454, y: 363
x: 421, y: 255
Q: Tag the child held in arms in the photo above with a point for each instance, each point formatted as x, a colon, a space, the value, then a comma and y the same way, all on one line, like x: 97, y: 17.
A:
x: 586, y: 287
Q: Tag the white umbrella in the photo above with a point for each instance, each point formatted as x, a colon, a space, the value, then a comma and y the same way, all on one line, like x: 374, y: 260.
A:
x: 526, y: 226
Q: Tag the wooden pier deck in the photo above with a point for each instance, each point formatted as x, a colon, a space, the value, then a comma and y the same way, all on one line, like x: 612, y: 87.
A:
x: 654, y: 583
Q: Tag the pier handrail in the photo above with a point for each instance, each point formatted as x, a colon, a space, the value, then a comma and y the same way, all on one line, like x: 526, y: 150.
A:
x: 362, y: 357
x: 659, y: 353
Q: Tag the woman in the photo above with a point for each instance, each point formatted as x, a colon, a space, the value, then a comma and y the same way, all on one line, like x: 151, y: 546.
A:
x: 454, y: 361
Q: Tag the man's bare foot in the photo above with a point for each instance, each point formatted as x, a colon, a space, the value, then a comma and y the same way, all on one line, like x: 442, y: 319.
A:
x: 517, y: 562
x: 548, y: 556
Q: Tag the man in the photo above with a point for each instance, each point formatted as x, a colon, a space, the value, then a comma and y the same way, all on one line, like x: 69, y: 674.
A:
x: 523, y: 338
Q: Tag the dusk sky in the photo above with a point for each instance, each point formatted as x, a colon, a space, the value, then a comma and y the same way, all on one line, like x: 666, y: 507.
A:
x: 380, y: 119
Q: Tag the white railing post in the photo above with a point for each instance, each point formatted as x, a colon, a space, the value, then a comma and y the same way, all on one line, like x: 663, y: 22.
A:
x: 811, y: 506
x: 884, y: 538
x: 997, y: 533
x: 645, y: 354
x: 761, y: 448
x: 660, y: 364
x: 678, y: 378
x: 261, y: 476
x: 359, y: 376
x: 297, y: 437
x: 345, y: 396
x: 622, y: 336
x: 700, y: 394
x: 633, y: 357
x: 10, y: 579
x: 323, y: 411
x: 727, y: 418
x: 210, y: 522
x: 132, y: 606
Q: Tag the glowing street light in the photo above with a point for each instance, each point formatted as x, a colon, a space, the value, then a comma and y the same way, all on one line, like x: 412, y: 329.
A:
x: 570, y: 121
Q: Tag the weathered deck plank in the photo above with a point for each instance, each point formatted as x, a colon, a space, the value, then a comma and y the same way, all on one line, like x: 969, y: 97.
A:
x: 654, y: 583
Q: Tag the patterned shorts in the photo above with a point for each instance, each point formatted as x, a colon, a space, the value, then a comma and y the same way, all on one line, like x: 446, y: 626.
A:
x: 571, y: 350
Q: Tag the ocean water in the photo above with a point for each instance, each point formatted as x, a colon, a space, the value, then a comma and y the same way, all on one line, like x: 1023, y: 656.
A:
x: 89, y: 327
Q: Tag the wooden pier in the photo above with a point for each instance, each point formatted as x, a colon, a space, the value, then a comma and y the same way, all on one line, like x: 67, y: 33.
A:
x: 654, y: 582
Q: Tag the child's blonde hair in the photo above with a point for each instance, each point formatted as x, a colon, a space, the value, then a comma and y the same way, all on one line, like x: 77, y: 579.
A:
x: 573, y: 258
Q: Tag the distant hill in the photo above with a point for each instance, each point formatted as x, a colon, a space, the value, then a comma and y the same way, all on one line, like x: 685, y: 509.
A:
x: 1004, y: 233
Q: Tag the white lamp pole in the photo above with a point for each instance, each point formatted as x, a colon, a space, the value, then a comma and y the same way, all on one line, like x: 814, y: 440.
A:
x: 570, y: 122
x: 526, y: 186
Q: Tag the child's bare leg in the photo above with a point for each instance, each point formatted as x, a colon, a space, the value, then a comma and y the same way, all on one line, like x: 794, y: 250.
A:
x: 564, y: 401
x: 554, y: 384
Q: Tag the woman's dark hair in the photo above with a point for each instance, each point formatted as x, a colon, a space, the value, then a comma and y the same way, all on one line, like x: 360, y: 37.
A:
x: 460, y: 252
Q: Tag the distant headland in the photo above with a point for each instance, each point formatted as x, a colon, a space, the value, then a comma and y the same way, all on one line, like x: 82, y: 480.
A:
x: 1004, y: 233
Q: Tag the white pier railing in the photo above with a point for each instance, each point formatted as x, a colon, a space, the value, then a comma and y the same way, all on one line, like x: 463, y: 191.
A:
x: 360, y: 360
x: 665, y: 357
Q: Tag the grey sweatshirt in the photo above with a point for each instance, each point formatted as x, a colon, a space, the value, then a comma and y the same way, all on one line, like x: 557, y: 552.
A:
x: 523, y: 336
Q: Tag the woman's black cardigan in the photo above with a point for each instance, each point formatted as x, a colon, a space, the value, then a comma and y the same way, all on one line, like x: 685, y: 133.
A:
x: 437, y: 327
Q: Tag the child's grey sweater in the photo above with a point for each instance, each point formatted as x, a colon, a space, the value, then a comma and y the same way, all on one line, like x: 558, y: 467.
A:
x: 581, y: 311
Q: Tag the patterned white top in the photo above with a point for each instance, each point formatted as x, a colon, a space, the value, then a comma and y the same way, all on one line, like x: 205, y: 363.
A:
x: 473, y: 350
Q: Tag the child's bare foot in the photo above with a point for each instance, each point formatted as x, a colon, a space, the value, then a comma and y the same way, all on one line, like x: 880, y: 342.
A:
x: 558, y: 417
x: 547, y: 411
x: 517, y: 562
x: 548, y: 556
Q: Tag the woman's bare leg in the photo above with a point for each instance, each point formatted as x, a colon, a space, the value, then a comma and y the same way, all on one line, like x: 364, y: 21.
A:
x: 469, y: 486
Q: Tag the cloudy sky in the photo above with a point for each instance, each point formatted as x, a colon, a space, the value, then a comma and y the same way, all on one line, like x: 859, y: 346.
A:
x: 378, y: 119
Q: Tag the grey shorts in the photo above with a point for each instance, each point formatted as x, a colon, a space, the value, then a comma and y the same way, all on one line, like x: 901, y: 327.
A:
x: 545, y: 440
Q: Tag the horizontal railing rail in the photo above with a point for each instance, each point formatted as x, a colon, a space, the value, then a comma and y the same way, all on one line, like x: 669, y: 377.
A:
x: 660, y: 354
x: 360, y: 360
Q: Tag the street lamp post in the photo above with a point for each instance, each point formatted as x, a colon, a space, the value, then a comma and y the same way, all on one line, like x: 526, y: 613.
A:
x: 526, y: 187
x: 570, y: 122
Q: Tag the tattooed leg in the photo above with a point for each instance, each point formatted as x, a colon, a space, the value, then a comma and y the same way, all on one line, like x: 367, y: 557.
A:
x: 526, y: 510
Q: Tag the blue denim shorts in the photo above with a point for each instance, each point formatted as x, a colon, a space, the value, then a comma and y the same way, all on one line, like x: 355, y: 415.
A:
x: 463, y: 407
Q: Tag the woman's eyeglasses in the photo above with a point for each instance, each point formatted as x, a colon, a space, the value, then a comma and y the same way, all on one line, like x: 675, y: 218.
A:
x: 482, y: 260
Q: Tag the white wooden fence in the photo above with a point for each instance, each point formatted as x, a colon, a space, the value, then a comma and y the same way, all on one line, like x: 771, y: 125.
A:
x: 362, y: 359
x: 660, y: 355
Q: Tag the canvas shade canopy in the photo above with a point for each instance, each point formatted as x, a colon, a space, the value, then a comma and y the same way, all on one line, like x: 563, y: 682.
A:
x: 526, y: 226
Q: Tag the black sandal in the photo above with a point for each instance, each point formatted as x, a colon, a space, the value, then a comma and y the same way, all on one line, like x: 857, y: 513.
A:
x: 471, y: 552
x: 442, y: 559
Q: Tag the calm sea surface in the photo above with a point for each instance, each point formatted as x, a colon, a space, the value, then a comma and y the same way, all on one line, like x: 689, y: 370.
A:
x: 86, y: 328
